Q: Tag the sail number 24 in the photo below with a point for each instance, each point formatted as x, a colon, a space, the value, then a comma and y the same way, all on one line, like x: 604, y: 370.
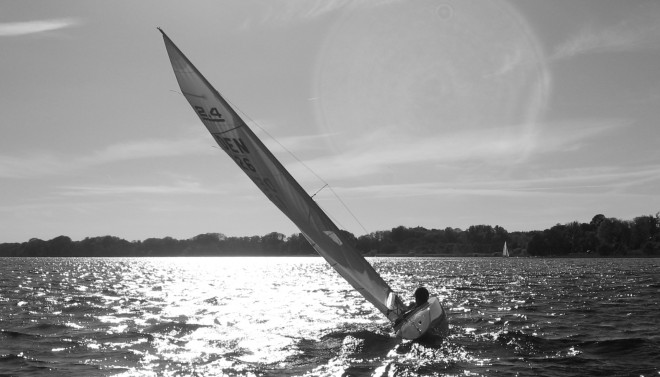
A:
x: 212, y: 115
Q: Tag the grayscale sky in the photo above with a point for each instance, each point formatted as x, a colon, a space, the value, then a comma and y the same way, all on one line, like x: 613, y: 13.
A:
x: 522, y: 114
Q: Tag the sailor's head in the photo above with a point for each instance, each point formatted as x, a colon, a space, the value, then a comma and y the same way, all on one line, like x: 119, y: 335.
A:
x: 421, y: 296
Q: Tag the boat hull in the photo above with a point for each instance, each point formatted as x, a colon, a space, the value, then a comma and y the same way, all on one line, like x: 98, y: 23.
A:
x: 428, y: 319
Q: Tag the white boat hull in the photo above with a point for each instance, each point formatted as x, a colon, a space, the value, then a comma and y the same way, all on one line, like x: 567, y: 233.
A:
x: 429, y: 318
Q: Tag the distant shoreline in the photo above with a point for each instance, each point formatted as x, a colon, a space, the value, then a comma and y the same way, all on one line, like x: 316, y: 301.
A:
x: 635, y: 255
x: 603, y: 237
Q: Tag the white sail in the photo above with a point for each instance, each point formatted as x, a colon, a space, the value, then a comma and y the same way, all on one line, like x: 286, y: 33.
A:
x: 505, y: 251
x: 258, y: 163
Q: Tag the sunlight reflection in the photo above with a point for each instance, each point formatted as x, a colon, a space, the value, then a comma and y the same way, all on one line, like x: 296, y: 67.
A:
x: 206, y: 316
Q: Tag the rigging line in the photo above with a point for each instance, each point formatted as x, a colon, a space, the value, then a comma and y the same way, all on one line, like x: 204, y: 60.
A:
x: 319, y: 190
x: 334, y: 219
x: 349, y: 210
x: 252, y: 121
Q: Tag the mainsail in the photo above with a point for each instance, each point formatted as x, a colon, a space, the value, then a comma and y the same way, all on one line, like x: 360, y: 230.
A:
x: 251, y: 155
x: 505, y: 250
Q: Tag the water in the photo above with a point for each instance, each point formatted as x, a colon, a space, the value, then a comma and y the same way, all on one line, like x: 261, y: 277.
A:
x: 295, y: 316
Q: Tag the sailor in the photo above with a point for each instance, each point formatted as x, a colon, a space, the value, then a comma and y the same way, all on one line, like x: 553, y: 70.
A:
x: 421, y: 297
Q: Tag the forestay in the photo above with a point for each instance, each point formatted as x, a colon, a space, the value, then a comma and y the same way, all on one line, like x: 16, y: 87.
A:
x: 242, y: 145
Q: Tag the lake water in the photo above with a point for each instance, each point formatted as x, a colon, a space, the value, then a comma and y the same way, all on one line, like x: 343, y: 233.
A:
x: 296, y: 316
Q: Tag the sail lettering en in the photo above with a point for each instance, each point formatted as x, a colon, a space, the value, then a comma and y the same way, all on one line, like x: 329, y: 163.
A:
x: 232, y: 144
x: 234, y: 148
x: 237, y: 149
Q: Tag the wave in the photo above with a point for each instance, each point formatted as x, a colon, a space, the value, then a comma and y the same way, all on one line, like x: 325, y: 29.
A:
x: 14, y: 365
x: 347, y: 342
x: 47, y: 328
x: 523, y: 342
x: 619, y: 347
x: 21, y: 365
x: 479, y: 289
x: 15, y: 335
x: 127, y: 337
x: 173, y: 328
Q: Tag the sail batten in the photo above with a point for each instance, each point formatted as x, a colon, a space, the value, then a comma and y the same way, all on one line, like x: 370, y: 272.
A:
x: 236, y: 138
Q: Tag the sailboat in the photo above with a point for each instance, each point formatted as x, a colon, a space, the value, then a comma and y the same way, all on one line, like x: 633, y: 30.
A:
x: 505, y: 250
x: 241, y: 144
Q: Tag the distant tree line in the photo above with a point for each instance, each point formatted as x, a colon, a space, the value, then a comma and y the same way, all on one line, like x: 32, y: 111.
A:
x: 602, y: 236
x: 207, y: 244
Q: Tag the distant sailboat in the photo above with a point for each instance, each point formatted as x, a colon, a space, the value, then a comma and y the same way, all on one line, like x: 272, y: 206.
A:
x: 260, y: 165
x: 505, y: 250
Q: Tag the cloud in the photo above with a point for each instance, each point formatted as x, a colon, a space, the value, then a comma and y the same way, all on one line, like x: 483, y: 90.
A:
x: 572, y: 135
x: 305, y: 9
x: 104, y: 190
x: 555, y: 183
x: 283, y: 12
x: 142, y: 149
x: 8, y: 29
x: 502, y: 147
x: 48, y: 164
x: 640, y: 30
x: 24, y: 167
x: 510, y: 62
x: 290, y: 143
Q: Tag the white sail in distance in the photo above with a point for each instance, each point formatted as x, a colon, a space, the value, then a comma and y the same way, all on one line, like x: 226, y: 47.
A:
x: 260, y: 165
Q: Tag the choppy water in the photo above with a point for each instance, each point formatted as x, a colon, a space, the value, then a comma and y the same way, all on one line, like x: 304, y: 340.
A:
x: 295, y: 316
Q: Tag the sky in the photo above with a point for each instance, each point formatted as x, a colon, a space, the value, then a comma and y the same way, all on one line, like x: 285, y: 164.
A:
x: 522, y: 114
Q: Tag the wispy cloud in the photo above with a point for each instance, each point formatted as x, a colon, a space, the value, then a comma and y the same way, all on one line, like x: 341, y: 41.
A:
x: 495, y: 147
x: 640, y: 30
x: 283, y: 12
x: 293, y: 143
x: 48, y: 164
x: 558, y: 182
x: 304, y: 9
x: 8, y: 29
x: 31, y: 166
x: 141, y: 149
x: 510, y: 62
x: 113, y: 190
